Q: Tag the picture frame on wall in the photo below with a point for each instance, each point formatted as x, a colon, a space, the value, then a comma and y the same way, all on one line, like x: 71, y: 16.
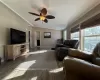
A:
x: 47, y: 34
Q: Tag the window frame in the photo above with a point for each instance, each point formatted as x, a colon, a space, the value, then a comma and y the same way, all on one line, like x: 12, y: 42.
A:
x: 74, y: 33
x: 82, y: 37
x: 65, y: 34
x: 77, y: 37
x: 87, y: 36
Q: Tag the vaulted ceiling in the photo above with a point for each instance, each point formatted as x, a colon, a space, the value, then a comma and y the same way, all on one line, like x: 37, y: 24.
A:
x: 65, y: 11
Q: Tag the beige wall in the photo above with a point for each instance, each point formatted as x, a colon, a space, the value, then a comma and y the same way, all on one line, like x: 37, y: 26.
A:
x: 90, y: 14
x: 47, y: 42
x: 9, y: 19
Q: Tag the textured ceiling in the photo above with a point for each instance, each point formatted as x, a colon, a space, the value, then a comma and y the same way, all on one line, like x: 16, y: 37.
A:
x: 65, y: 11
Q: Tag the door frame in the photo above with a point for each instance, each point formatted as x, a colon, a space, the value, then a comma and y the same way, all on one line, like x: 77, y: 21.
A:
x: 36, y: 37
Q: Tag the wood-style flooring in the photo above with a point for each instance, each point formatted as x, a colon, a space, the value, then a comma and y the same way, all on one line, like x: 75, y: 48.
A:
x: 39, y: 65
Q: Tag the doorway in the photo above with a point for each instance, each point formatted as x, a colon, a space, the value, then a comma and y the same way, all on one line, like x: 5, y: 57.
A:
x: 38, y: 38
x: 29, y: 38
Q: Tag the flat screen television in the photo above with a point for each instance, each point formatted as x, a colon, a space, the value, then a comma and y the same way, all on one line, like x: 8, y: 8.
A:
x: 17, y: 37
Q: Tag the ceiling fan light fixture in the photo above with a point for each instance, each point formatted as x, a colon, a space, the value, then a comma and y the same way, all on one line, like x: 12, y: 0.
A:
x: 42, y: 18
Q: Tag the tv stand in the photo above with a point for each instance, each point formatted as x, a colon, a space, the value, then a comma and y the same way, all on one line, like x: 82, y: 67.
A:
x: 16, y: 50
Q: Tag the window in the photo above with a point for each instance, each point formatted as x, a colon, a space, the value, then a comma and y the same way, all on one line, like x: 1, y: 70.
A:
x: 91, y: 37
x: 75, y: 35
x: 64, y: 34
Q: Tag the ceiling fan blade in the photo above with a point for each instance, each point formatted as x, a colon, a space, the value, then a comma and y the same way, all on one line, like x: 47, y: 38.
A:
x: 37, y: 19
x: 44, y: 11
x: 46, y: 21
x: 50, y: 17
x: 34, y: 14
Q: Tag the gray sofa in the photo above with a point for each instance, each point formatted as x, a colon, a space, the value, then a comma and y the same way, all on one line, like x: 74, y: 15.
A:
x: 61, y: 49
x: 68, y: 44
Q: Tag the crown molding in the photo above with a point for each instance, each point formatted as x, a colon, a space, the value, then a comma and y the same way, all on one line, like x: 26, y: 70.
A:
x: 98, y: 3
x: 16, y: 13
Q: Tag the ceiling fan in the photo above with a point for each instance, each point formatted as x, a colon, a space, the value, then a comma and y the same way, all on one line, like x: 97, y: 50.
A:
x: 43, y: 15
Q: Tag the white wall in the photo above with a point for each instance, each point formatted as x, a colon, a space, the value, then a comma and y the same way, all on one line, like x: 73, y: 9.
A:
x: 9, y: 19
x: 47, y: 42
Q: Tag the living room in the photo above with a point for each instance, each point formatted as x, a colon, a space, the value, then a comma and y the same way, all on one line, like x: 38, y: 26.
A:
x: 28, y: 48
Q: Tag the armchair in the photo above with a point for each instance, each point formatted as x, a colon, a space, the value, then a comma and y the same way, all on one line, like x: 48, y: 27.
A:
x: 82, y: 66
x: 77, y: 69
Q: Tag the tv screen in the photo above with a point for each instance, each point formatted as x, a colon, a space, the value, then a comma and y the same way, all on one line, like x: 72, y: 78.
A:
x: 17, y: 37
